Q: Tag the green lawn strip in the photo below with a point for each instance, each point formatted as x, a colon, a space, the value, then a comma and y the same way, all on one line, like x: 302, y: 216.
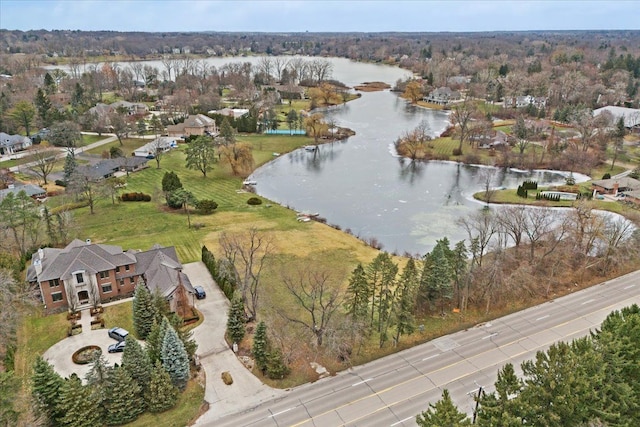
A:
x: 188, y: 407
x: 120, y: 315
x: 129, y: 145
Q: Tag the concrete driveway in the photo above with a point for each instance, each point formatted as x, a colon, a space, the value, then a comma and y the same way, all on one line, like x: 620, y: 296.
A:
x: 216, y: 356
x: 59, y: 354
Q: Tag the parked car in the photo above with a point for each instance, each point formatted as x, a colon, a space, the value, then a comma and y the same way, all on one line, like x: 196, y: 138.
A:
x: 200, y: 293
x: 118, y: 334
x: 117, y: 347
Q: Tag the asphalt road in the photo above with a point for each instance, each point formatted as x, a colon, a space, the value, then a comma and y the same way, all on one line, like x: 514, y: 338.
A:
x: 393, y: 390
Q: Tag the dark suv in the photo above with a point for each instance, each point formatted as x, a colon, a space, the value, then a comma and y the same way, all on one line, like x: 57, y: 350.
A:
x: 118, y: 334
x: 200, y: 293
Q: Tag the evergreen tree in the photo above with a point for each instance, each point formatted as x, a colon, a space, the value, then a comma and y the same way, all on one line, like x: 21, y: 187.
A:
x: 357, y: 295
x: 51, y: 232
x: 78, y: 405
x: 162, y: 308
x: 277, y: 369
x: 405, y: 300
x: 137, y: 363
x: 443, y: 414
x: 143, y: 311
x: 43, y: 106
x: 46, y: 388
x: 175, y: 359
x: 155, y: 339
x: 170, y: 182
x: 49, y: 84
x: 70, y: 166
x: 385, y: 297
x: 9, y: 384
x: 161, y: 393
x: 141, y: 127
x: 227, y: 133
x: 501, y: 408
x: 125, y: 401
x: 235, y: 321
x: 260, y: 347
x: 185, y: 335
x: 437, y: 283
x: 98, y: 379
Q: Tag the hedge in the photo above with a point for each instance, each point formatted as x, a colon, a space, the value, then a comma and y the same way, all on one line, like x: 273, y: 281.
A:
x: 135, y: 197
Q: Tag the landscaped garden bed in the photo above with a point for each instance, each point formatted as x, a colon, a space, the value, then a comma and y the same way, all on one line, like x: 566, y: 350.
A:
x: 86, y: 354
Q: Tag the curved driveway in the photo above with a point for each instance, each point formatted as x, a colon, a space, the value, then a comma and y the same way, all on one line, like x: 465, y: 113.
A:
x: 216, y: 357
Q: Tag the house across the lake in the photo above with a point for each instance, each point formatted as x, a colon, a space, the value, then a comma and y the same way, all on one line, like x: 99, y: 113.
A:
x: 614, y: 186
x: 85, y: 273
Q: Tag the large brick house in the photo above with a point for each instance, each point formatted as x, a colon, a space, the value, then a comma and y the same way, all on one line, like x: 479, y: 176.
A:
x: 195, y: 124
x: 83, y: 273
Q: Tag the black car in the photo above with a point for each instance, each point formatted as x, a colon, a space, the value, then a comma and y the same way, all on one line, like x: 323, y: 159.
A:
x: 117, y: 347
x: 199, y: 291
x: 118, y: 334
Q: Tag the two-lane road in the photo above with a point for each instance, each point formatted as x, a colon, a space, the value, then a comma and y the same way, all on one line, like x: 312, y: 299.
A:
x: 392, y: 390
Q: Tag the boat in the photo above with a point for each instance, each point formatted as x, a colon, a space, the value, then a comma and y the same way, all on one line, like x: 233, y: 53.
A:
x: 249, y: 182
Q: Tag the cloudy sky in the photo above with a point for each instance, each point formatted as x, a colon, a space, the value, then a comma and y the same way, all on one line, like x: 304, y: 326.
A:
x: 318, y: 16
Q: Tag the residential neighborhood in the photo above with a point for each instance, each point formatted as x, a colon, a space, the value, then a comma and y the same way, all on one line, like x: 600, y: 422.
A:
x: 292, y: 228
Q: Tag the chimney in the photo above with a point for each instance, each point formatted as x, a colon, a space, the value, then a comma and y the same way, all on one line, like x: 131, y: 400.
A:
x: 88, y: 241
x: 615, y: 188
x: 41, y: 254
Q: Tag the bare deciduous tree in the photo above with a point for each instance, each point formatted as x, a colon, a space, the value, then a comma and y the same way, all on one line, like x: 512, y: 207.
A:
x: 318, y: 298
x: 246, y: 253
x: 43, y: 160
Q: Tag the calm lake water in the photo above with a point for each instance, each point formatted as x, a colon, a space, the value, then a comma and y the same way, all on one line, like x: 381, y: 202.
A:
x: 361, y: 185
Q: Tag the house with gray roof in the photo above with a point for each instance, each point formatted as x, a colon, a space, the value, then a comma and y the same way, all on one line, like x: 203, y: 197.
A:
x: 630, y: 116
x: 107, y: 168
x: 615, y: 185
x: 10, y: 144
x: 194, y: 124
x: 31, y: 190
x: 84, y: 273
x: 442, y: 96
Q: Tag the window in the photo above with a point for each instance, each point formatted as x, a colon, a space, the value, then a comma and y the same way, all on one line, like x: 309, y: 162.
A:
x: 56, y: 296
x: 118, y: 269
x: 121, y: 281
x: 79, y: 278
x: 126, y: 267
x: 106, y: 288
x: 54, y: 283
x: 132, y: 280
x: 104, y: 274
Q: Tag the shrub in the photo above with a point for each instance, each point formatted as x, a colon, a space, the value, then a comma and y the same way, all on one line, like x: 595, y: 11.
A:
x: 61, y: 182
x: 206, y: 206
x: 135, y: 197
x: 606, y: 176
x: 254, y: 201
x: 226, y: 378
x: 457, y: 152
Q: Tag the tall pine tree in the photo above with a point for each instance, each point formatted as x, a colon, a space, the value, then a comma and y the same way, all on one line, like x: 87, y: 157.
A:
x: 155, y: 339
x: 260, y: 347
x: 144, y: 311
x: 161, y: 393
x: 405, y: 300
x: 235, y: 321
x: 175, y: 359
x: 135, y: 360
x: 125, y: 401
x: 46, y: 388
x: 78, y: 405
x: 357, y: 296
x: 443, y: 414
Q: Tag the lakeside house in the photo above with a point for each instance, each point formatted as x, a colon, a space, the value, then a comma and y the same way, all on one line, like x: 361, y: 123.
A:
x: 442, y: 96
x: 614, y: 186
x: 86, y: 273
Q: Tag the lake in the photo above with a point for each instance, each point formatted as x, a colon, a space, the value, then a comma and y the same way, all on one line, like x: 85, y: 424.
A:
x: 362, y: 186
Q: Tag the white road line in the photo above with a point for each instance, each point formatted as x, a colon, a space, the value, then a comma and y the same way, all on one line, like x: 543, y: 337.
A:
x: 431, y: 357
x: 543, y: 317
x: 490, y: 336
x: 401, y: 421
x: 361, y: 382
x: 588, y: 301
x: 281, y: 412
x: 628, y: 287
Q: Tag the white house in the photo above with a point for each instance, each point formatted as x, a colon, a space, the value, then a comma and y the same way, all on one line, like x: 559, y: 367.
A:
x: 162, y: 143
x: 10, y: 144
x: 631, y: 116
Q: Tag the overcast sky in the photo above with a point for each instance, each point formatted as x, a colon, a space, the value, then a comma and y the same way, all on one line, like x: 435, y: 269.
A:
x: 318, y: 16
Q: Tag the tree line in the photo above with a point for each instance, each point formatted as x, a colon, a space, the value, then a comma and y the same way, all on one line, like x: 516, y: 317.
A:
x: 591, y: 381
